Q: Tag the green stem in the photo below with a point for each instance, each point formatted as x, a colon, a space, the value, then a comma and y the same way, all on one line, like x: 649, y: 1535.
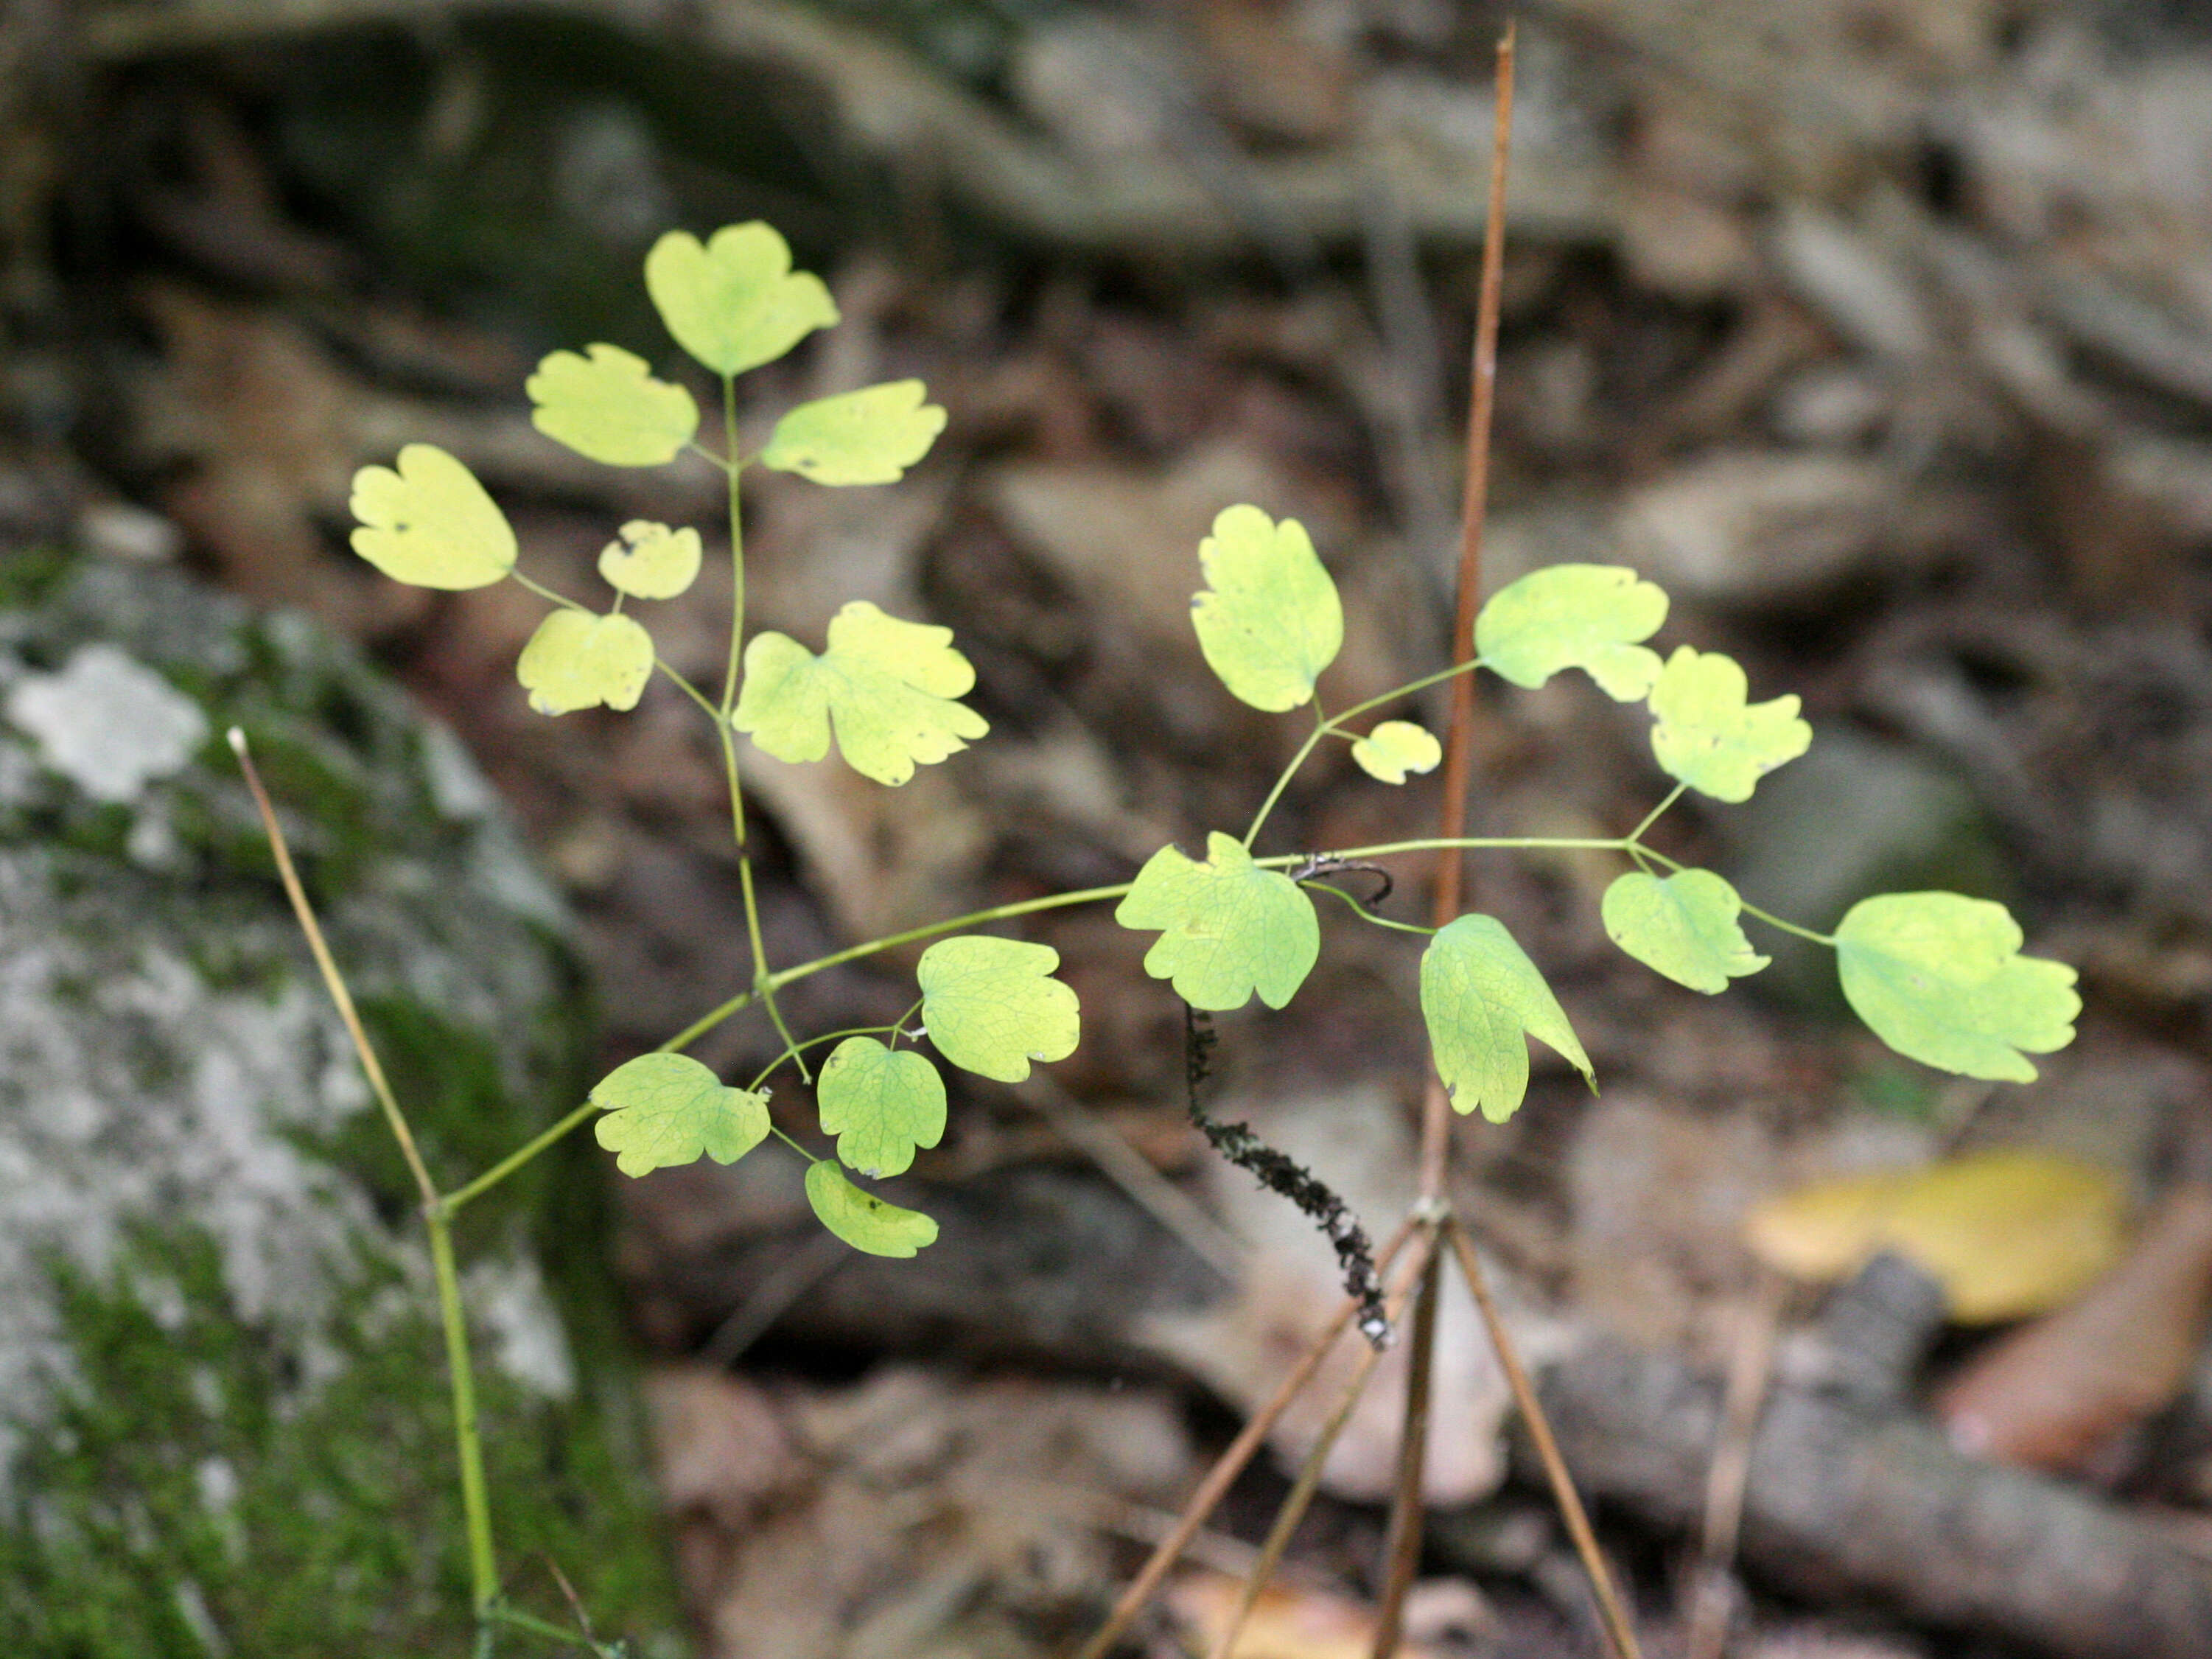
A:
x: 898, y: 1027
x: 792, y: 1051
x: 500, y: 1613
x: 549, y: 595
x: 1805, y: 934
x: 1321, y: 729
x: 730, y: 470
x: 794, y: 1145
x: 715, y: 1016
x: 1408, y: 689
x: 1324, y: 728
x: 763, y: 981
x: 476, y: 1505
x: 515, y: 1159
x: 1466, y: 843
x: 1751, y: 909
x: 661, y: 663
x: 1654, y: 815
x: 1366, y: 914
x: 689, y: 690
x: 484, y: 1572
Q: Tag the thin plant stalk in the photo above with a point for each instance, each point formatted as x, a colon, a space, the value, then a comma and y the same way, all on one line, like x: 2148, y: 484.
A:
x: 1231, y: 1464
x: 1750, y: 1369
x: 715, y: 1016
x: 476, y: 1503
x: 468, y: 1431
x: 1307, y: 1482
x: 1459, y: 737
x: 1405, y: 1542
x: 1620, y: 1631
x: 1401, y: 1547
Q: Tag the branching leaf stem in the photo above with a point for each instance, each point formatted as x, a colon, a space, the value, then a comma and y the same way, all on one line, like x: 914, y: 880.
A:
x: 769, y: 1070
x: 1363, y: 913
x: 476, y: 1505
x: 1751, y: 909
x: 1334, y: 727
x: 1628, y: 846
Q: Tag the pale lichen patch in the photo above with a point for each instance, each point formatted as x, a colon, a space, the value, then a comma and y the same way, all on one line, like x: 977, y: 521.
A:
x: 108, y: 723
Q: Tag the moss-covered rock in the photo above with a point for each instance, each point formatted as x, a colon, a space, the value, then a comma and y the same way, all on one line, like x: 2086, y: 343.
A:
x: 224, y: 1425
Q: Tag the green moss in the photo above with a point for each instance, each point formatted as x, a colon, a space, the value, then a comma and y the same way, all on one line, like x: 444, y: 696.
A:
x: 28, y: 576
x: 193, y: 1474
x: 465, y: 1119
x: 291, y: 1485
x: 103, y: 830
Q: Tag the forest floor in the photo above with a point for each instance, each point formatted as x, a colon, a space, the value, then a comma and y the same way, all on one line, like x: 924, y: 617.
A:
x: 1878, y: 331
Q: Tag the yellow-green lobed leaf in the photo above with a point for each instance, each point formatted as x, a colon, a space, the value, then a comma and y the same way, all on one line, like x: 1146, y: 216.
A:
x: 1591, y: 617
x: 1268, y: 620
x: 734, y: 302
x: 1396, y: 748
x: 1709, y: 737
x: 881, y: 1104
x: 865, y: 437
x: 581, y: 659
x: 1227, y: 927
x: 991, y: 1006
x: 1684, y: 926
x: 607, y: 406
x: 862, y: 1219
x: 650, y: 560
x: 430, y: 524
x: 1939, y: 977
x: 662, y: 1110
x: 888, y: 685
x: 1481, y: 994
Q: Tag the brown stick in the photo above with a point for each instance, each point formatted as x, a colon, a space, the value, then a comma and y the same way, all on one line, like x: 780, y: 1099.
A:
x: 1404, y: 1549
x: 1401, y: 1547
x: 1874, y: 1503
x: 1308, y: 1476
x: 1223, y: 1473
x: 1459, y: 733
x: 1620, y: 1633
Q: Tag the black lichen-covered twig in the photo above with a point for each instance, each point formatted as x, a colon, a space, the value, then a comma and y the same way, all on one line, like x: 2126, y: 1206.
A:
x: 1278, y: 1173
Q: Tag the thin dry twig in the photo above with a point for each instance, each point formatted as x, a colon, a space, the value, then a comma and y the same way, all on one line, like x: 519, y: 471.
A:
x: 1231, y: 1464
x: 1401, y: 1547
x: 1751, y: 1368
x: 1308, y: 1481
x: 332, y: 980
x: 1620, y: 1632
x: 1459, y: 738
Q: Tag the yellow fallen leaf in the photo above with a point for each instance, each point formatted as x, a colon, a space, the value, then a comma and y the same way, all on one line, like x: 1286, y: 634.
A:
x: 2008, y: 1234
x: 1286, y: 1622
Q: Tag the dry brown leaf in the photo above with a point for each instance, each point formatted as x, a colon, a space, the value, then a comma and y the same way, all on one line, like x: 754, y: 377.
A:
x: 2057, y: 1393
x: 2008, y: 1234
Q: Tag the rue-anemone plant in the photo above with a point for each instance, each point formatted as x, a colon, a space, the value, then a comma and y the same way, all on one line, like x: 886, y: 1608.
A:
x: 1939, y: 977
